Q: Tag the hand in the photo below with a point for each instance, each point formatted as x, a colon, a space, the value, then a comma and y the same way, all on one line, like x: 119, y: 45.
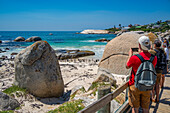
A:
x: 151, y: 47
x: 130, y: 52
x: 139, y: 50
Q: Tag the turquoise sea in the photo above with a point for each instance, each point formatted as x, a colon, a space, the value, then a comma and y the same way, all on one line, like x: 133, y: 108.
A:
x: 59, y: 40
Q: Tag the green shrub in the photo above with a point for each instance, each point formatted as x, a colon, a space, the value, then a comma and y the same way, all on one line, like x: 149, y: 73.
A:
x: 13, y: 89
x: 98, y: 84
x: 10, y: 111
x: 69, y: 107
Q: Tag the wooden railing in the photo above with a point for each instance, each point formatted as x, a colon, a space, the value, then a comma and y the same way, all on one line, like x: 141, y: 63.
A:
x: 105, y: 100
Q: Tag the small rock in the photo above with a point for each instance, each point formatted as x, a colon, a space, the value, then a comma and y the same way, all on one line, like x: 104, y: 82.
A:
x: 102, y: 40
x: 75, y: 89
x: 1, y: 84
x: 4, y: 57
x: 36, y: 105
x: 6, y: 48
x: 8, y: 103
x: 14, y: 53
x: 33, y: 39
x: 19, y: 39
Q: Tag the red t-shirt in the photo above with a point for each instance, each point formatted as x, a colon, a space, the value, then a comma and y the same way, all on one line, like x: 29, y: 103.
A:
x: 135, y: 62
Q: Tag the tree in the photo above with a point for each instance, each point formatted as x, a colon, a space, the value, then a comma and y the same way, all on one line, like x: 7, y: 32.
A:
x: 158, y: 22
x: 130, y: 25
x: 120, y: 26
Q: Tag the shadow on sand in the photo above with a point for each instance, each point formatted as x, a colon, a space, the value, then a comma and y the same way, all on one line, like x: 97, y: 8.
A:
x: 54, y: 100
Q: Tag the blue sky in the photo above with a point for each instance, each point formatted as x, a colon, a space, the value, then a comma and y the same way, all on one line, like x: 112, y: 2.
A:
x: 77, y: 15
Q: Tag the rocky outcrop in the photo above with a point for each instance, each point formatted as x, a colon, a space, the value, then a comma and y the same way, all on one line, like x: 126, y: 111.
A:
x: 14, y: 53
x: 0, y: 41
x: 19, y: 39
x: 37, y: 69
x: 94, y: 32
x: 138, y: 32
x: 166, y: 35
x: 33, y: 39
x: 116, y: 53
x: 102, y: 40
x: 7, y: 103
x: 68, y: 54
x: 2, y: 51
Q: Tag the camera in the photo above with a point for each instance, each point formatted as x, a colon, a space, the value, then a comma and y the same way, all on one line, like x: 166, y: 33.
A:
x: 135, y: 49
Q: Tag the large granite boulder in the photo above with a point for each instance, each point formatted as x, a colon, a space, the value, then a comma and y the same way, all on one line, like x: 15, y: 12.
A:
x: 7, y: 103
x: 33, y: 39
x: 116, y: 53
x: 19, y: 39
x: 37, y: 69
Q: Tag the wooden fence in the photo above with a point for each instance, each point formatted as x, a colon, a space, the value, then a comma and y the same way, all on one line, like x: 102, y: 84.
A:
x: 105, y: 100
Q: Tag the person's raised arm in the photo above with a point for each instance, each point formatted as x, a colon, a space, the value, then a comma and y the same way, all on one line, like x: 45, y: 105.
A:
x: 130, y: 54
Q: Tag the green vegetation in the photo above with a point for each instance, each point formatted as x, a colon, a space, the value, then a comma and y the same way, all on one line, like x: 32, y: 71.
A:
x: 69, y: 107
x: 81, y: 90
x: 95, y: 85
x: 158, y: 26
x: 113, y: 29
x: 10, y: 111
x: 73, y: 95
x: 14, y: 89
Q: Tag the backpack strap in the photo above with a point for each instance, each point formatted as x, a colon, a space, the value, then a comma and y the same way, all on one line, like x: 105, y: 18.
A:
x: 140, y: 57
x: 156, y: 50
x: 152, y: 58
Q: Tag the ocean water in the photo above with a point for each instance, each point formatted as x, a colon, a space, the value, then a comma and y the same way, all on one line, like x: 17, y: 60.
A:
x: 59, y: 40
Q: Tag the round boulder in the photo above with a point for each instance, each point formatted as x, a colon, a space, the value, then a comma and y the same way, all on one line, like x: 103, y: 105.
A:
x: 37, y: 69
x: 33, y: 39
x: 19, y: 39
x: 116, y: 53
x: 152, y: 37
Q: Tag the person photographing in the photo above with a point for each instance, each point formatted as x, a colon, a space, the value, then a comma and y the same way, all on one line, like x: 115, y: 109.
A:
x: 139, y: 94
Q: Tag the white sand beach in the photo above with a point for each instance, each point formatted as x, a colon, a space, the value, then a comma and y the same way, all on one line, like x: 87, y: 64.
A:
x: 73, y: 73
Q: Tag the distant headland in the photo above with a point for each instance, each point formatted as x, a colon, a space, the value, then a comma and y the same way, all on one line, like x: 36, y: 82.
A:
x: 159, y: 26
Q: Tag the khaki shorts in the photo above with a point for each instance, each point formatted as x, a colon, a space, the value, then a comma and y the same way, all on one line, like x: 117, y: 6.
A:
x: 158, y: 78
x: 138, y: 98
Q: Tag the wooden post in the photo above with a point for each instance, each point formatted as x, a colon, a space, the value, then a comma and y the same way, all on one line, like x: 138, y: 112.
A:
x: 102, y: 91
x: 127, y: 89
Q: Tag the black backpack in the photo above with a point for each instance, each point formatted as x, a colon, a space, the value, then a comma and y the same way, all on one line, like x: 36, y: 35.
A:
x: 161, y: 59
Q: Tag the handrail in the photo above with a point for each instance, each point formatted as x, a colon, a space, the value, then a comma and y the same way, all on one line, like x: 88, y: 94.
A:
x: 104, y: 100
x: 123, y: 108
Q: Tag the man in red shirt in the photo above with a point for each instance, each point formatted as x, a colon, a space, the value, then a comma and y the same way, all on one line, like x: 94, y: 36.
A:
x: 136, y: 97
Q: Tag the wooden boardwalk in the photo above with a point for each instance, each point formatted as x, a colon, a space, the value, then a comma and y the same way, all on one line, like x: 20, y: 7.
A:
x: 164, y: 104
